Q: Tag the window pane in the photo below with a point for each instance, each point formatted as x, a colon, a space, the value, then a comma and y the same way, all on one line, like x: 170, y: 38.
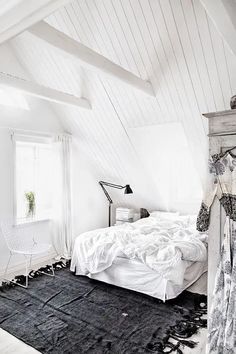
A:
x: 34, y: 174
x: 25, y: 176
x: 44, y: 181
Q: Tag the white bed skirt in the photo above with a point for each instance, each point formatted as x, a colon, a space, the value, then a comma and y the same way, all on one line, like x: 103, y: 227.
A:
x: 135, y: 275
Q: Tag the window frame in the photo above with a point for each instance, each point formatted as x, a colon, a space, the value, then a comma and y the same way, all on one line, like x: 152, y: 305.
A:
x: 24, y: 138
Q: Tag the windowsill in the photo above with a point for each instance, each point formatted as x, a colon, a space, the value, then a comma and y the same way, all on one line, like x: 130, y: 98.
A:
x: 31, y: 221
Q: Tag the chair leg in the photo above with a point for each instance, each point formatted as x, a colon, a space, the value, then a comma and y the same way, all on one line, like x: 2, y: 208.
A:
x: 26, y: 273
x: 53, y: 273
x: 30, y: 263
x: 27, y: 269
x: 6, y: 269
x: 51, y: 266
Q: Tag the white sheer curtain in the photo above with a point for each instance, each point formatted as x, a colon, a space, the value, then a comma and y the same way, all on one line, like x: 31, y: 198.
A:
x: 62, y: 212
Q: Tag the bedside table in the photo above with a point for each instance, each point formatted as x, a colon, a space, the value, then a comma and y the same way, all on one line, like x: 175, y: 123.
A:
x: 121, y: 222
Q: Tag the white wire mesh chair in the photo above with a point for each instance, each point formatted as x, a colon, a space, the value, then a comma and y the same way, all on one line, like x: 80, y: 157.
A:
x: 21, y: 240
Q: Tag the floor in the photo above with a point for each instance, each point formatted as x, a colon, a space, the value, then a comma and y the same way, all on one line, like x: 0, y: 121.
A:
x: 11, y: 345
x: 199, y: 338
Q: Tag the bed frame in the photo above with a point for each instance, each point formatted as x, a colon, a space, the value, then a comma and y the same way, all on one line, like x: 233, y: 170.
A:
x: 222, y: 136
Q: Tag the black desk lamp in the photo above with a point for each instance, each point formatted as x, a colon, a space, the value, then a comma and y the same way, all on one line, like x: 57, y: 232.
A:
x: 127, y: 190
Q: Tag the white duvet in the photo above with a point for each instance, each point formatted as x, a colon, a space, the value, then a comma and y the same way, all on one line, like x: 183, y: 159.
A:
x: 168, y: 247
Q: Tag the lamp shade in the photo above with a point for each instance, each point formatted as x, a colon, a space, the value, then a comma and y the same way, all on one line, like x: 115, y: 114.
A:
x: 128, y: 190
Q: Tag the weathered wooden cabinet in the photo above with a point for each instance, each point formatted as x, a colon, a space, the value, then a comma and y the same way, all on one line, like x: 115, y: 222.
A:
x: 222, y: 136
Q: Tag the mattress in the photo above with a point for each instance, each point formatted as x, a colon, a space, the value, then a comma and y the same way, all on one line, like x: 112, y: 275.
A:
x: 134, y: 275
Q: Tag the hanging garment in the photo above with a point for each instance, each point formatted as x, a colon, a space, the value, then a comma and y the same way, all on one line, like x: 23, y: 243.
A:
x: 222, y: 319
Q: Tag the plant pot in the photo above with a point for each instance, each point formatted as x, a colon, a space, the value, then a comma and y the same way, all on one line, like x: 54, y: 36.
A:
x: 30, y: 210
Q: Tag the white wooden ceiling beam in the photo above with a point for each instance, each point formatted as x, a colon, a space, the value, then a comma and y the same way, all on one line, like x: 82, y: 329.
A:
x: 88, y: 57
x: 18, y: 15
x: 223, y: 19
x: 39, y: 91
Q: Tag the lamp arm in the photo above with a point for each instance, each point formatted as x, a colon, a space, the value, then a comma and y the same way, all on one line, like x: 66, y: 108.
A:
x: 117, y: 186
x: 108, y: 184
x: 106, y: 193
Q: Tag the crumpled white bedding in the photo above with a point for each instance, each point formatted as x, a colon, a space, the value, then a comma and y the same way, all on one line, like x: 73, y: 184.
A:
x: 166, y: 246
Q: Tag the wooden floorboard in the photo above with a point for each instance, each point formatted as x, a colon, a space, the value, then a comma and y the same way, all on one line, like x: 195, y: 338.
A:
x: 11, y: 345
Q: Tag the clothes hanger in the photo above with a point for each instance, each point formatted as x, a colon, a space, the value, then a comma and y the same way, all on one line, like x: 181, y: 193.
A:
x: 231, y: 149
x: 222, y: 154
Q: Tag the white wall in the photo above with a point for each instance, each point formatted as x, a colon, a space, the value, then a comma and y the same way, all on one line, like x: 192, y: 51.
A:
x: 39, y: 118
x: 165, y: 153
x: 89, y: 204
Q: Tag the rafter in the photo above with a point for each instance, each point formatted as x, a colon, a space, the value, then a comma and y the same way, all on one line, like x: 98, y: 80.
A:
x: 46, y: 93
x: 22, y: 14
x: 223, y: 14
x: 88, y: 57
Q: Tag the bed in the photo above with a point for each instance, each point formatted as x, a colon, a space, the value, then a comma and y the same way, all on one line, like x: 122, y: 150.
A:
x: 160, y: 256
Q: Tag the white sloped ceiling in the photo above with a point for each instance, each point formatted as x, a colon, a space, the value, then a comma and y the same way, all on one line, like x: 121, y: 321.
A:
x: 173, y: 44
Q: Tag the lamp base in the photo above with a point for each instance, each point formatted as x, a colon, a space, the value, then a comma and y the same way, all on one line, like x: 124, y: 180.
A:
x: 109, y: 215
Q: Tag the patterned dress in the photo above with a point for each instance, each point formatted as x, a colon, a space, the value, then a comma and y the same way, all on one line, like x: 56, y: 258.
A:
x: 222, y: 319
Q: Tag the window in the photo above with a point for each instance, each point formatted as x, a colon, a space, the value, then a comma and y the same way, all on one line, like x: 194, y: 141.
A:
x: 34, y: 180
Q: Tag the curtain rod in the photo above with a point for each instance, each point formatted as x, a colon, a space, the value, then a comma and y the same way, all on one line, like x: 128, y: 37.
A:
x: 36, y: 133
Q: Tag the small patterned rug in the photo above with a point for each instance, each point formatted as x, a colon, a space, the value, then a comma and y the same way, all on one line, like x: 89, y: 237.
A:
x: 71, y: 314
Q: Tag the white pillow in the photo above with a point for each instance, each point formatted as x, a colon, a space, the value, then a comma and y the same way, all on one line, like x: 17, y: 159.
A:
x: 184, y: 219
x: 192, y: 219
x: 188, y: 220
x: 164, y: 215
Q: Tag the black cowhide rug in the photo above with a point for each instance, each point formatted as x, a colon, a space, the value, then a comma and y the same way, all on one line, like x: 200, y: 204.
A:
x: 71, y: 314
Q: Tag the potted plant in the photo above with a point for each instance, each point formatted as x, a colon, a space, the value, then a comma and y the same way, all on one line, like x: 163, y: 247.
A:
x: 30, y: 198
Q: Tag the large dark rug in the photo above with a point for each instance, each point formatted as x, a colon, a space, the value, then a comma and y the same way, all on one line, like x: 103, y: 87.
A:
x: 73, y: 314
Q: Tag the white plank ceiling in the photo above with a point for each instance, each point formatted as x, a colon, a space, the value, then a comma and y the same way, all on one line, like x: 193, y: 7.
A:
x: 173, y: 44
